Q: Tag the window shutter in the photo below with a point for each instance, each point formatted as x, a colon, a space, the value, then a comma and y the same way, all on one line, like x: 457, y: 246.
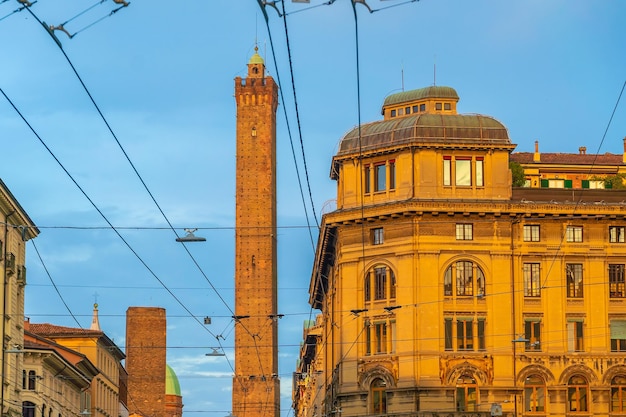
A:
x: 618, y: 329
x: 545, y: 183
x: 585, y: 183
x: 568, y: 183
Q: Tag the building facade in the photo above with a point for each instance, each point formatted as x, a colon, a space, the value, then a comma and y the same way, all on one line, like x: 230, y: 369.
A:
x: 102, y: 352
x: 572, y: 171
x: 443, y: 290
x: 56, y: 381
x: 17, y: 229
x: 256, y: 386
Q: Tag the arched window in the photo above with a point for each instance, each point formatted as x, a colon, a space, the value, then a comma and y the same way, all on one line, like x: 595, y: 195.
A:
x: 43, y: 410
x: 28, y: 409
x: 379, y: 284
x: 379, y: 396
x: 618, y: 394
x: 577, y: 394
x: 466, y: 394
x: 464, y: 279
x: 535, y: 395
x: 32, y: 376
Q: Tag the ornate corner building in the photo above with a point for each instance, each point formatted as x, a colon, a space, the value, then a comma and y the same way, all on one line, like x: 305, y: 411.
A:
x: 445, y: 291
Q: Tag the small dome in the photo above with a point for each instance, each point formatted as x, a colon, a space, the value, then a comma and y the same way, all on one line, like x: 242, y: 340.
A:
x: 172, y: 387
x: 434, y: 91
x: 256, y: 58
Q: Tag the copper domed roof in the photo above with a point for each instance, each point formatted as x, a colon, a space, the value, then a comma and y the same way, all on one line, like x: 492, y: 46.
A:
x: 424, y: 129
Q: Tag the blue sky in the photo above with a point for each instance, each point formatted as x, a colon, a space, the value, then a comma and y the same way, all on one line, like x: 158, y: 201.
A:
x: 162, y: 73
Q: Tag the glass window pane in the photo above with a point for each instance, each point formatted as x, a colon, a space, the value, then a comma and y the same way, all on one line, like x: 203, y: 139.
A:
x: 463, y: 172
x: 479, y: 173
x: 446, y: 172
x: 380, y: 181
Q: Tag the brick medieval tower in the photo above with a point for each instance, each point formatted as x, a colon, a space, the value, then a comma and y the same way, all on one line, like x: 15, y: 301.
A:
x: 256, y: 387
x: 146, y: 361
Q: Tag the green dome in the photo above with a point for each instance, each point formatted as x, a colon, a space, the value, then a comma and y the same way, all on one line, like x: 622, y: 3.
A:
x: 172, y: 387
x: 256, y: 59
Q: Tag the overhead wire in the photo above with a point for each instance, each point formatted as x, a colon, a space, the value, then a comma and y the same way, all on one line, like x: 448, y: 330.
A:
x: 138, y: 176
x: 105, y: 218
x: 19, y: 9
x: 262, y: 5
x: 53, y: 283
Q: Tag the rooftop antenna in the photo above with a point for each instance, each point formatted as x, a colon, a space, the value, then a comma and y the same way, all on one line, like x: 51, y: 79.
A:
x: 402, y: 74
x: 434, y: 69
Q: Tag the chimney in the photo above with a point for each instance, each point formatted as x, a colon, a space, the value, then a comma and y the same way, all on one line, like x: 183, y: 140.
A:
x: 537, y: 155
x: 582, y: 150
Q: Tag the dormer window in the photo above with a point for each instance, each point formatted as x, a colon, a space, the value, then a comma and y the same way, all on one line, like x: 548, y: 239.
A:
x: 381, y: 176
x: 467, y: 171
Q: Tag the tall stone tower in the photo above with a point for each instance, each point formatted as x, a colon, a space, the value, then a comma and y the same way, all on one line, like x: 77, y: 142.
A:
x: 256, y: 385
x: 146, y: 360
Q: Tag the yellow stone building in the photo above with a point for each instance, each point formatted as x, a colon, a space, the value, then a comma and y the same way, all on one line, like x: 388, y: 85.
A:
x: 567, y: 170
x: 96, y: 346
x: 443, y: 290
x: 17, y: 229
x: 55, y: 380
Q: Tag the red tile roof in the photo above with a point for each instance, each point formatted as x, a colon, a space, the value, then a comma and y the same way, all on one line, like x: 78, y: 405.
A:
x: 569, y: 158
x: 47, y: 329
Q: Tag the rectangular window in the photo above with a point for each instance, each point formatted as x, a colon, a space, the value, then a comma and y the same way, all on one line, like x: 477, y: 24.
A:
x: 464, y: 278
x: 464, y: 231
x: 618, y: 335
x: 574, y: 273
x: 380, y: 283
x: 556, y: 183
x: 438, y: 106
x: 575, y: 336
x: 463, y: 174
x: 379, y: 337
x: 447, y: 106
x: 447, y: 170
x: 415, y: 109
x: 393, y: 113
x: 422, y: 107
x: 596, y: 184
x: 407, y: 110
x: 464, y: 334
x: 531, y: 233
x: 377, y: 236
x: 448, y: 334
x: 616, y: 281
x: 574, y: 234
x: 616, y: 234
x: 481, y: 334
x: 480, y: 181
x: 532, y: 280
x: 532, y: 333
x: 380, y: 179
x: 392, y: 175
x: 367, y: 179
